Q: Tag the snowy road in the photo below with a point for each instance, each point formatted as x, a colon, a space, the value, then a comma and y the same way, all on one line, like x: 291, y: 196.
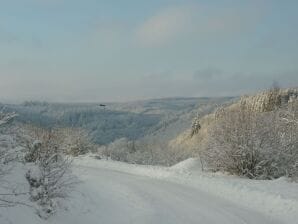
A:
x: 113, y: 192
x: 110, y: 196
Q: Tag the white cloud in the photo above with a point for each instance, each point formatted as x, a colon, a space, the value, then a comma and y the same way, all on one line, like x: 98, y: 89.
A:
x: 166, y: 25
x: 194, y: 21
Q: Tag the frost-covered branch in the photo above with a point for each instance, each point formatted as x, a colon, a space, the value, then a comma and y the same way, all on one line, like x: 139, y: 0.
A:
x: 287, y: 120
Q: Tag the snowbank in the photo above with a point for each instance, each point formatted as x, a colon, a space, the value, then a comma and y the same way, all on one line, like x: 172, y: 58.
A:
x: 191, y: 165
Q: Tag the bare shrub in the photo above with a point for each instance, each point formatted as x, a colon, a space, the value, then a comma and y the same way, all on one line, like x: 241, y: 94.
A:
x: 71, y: 141
x: 145, y: 151
x: 76, y: 141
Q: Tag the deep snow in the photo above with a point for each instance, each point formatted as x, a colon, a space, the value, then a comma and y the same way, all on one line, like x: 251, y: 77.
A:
x: 114, y: 192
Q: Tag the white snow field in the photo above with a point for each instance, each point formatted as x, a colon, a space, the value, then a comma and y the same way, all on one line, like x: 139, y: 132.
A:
x: 114, y: 192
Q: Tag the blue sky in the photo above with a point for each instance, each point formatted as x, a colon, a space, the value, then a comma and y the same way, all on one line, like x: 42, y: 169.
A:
x: 71, y: 50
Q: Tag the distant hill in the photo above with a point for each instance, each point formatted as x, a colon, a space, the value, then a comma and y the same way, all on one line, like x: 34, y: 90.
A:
x: 165, y: 118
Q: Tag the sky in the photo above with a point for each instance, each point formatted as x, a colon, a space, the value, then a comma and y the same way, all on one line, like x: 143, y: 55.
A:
x: 101, y: 51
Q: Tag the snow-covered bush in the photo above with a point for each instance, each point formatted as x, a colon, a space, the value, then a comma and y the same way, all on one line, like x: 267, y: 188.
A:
x: 289, y: 137
x: 37, y: 141
x: 49, y: 180
x: 7, y: 144
x: 50, y: 176
x: 255, y: 144
x: 118, y: 150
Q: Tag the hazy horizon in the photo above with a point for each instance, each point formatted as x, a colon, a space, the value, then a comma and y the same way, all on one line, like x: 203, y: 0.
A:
x: 110, y: 102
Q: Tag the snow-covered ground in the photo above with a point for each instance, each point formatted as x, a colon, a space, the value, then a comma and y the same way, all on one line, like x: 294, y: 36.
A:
x: 114, y: 192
